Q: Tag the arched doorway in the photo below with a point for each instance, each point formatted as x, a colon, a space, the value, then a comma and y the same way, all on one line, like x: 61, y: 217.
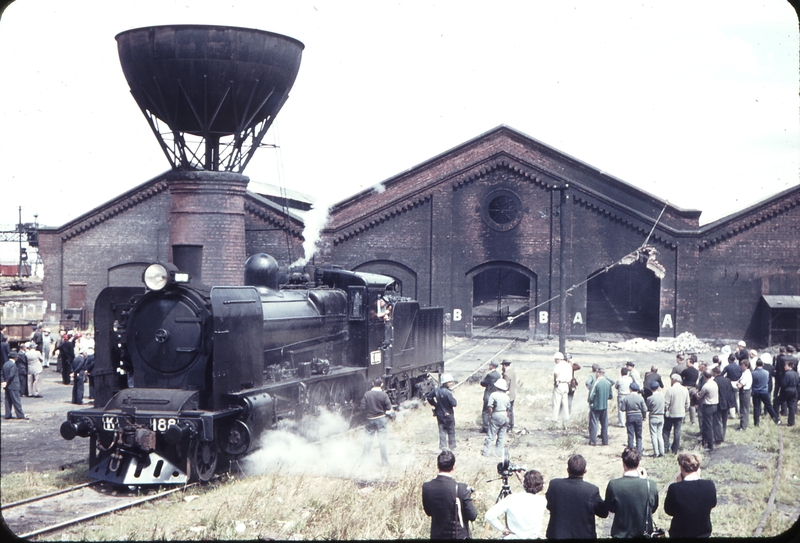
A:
x: 624, y: 300
x: 406, y: 277
x: 500, y: 291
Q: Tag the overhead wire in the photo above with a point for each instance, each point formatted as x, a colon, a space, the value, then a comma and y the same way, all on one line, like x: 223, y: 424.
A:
x: 497, y: 328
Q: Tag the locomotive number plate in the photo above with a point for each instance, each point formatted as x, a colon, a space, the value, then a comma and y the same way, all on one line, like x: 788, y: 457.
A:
x: 110, y: 423
x: 161, y: 424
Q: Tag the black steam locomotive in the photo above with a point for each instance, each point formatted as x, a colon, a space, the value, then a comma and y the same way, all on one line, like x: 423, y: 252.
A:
x: 213, y: 368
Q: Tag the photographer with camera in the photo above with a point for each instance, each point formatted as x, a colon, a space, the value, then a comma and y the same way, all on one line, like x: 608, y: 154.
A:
x: 447, y: 502
x: 443, y: 403
x: 524, y: 512
x: 633, y: 498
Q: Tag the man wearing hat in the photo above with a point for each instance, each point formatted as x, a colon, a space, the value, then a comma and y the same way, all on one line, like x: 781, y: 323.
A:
x: 510, y: 377
x: 488, y: 387
x: 562, y: 375
x: 495, y: 440
x: 635, y: 411
x: 11, y: 386
x: 443, y: 402
x: 655, y: 409
x: 741, y: 352
x: 676, y: 403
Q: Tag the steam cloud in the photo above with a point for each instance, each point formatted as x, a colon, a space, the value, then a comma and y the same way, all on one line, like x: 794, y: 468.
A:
x: 315, y: 220
x: 325, y: 445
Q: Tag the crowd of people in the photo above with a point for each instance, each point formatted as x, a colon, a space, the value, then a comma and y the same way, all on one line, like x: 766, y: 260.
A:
x: 708, y: 394
x: 70, y: 353
x: 574, y: 503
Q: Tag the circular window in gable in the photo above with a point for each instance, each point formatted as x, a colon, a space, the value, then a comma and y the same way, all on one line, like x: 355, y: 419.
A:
x: 501, y: 210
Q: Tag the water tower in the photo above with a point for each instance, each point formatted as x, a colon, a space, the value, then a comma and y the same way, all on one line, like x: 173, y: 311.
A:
x: 209, y: 93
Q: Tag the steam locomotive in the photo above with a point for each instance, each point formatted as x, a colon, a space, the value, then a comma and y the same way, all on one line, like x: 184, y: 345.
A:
x: 214, y: 368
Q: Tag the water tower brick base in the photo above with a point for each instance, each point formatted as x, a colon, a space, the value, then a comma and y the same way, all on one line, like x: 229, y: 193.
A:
x: 208, y: 210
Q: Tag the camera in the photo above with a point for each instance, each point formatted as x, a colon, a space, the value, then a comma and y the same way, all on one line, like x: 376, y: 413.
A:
x: 506, y: 467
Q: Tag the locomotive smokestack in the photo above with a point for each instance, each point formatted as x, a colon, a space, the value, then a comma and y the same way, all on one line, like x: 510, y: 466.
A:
x: 189, y: 258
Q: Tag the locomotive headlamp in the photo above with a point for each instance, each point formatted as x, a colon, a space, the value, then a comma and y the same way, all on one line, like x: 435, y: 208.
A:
x: 155, y: 276
x: 158, y: 276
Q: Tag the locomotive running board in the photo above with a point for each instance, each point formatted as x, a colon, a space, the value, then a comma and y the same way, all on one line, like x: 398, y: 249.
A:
x: 160, y: 471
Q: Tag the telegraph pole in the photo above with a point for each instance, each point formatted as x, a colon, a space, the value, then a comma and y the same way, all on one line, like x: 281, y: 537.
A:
x: 19, y: 229
x: 562, y: 267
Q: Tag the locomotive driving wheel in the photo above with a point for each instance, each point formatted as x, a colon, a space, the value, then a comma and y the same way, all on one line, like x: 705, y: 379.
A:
x: 318, y: 397
x: 338, y: 395
x: 203, y: 460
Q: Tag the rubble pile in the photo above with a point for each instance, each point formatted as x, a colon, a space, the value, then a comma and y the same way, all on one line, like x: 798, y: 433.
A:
x: 684, y: 343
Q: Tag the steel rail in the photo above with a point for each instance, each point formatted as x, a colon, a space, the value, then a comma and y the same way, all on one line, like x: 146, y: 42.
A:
x: 45, y: 496
x: 774, y: 492
x: 90, y: 516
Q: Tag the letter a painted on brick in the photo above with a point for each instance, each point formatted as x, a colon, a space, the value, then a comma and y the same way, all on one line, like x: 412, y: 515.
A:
x: 667, y: 321
x: 578, y: 318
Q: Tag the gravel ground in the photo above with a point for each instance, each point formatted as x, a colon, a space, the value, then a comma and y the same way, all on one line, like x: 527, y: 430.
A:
x: 36, y: 443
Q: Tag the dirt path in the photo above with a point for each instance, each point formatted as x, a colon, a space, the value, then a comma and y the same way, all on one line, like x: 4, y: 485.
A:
x: 36, y: 444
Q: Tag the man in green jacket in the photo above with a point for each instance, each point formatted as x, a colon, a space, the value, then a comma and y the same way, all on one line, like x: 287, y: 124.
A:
x: 633, y: 498
x: 599, y: 394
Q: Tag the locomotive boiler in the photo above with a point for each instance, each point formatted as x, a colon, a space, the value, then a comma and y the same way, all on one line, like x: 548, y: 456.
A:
x: 215, y: 368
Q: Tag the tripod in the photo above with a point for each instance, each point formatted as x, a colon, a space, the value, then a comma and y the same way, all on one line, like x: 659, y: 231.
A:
x: 505, y: 490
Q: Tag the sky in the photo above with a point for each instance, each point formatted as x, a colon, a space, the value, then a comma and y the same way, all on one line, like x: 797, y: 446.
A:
x: 693, y: 102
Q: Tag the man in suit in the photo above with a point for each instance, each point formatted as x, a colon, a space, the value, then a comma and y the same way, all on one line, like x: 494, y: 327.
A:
x: 447, y: 502
x: 11, y: 386
x: 573, y: 503
x: 78, y: 377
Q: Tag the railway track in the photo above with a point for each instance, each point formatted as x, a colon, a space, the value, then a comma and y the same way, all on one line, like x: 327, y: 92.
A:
x: 74, y: 505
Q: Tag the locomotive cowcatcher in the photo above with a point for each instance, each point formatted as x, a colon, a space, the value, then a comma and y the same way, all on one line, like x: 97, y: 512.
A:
x: 214, y: 368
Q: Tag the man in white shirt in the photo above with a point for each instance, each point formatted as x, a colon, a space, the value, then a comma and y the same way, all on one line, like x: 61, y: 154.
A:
x: 708, y: 397
x: 745, y: 386
x: 634, y: 373
x: 523, y: 512
x: 623, y: 386
x: 562, y: 375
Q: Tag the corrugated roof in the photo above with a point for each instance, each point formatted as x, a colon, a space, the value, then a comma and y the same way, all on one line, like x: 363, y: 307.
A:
x: 782, y: 302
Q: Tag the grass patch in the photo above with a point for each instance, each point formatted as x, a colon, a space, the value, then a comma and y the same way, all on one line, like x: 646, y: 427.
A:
x: 20, y: 486
x: 386, y: 504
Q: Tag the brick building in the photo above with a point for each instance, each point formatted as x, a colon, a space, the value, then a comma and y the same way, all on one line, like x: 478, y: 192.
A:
x: 477, y: 230
x: 113, y: 243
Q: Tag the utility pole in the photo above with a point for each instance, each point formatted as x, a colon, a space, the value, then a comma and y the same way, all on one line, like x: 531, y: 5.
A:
x: 20, y: 230
x: 562, y: 266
